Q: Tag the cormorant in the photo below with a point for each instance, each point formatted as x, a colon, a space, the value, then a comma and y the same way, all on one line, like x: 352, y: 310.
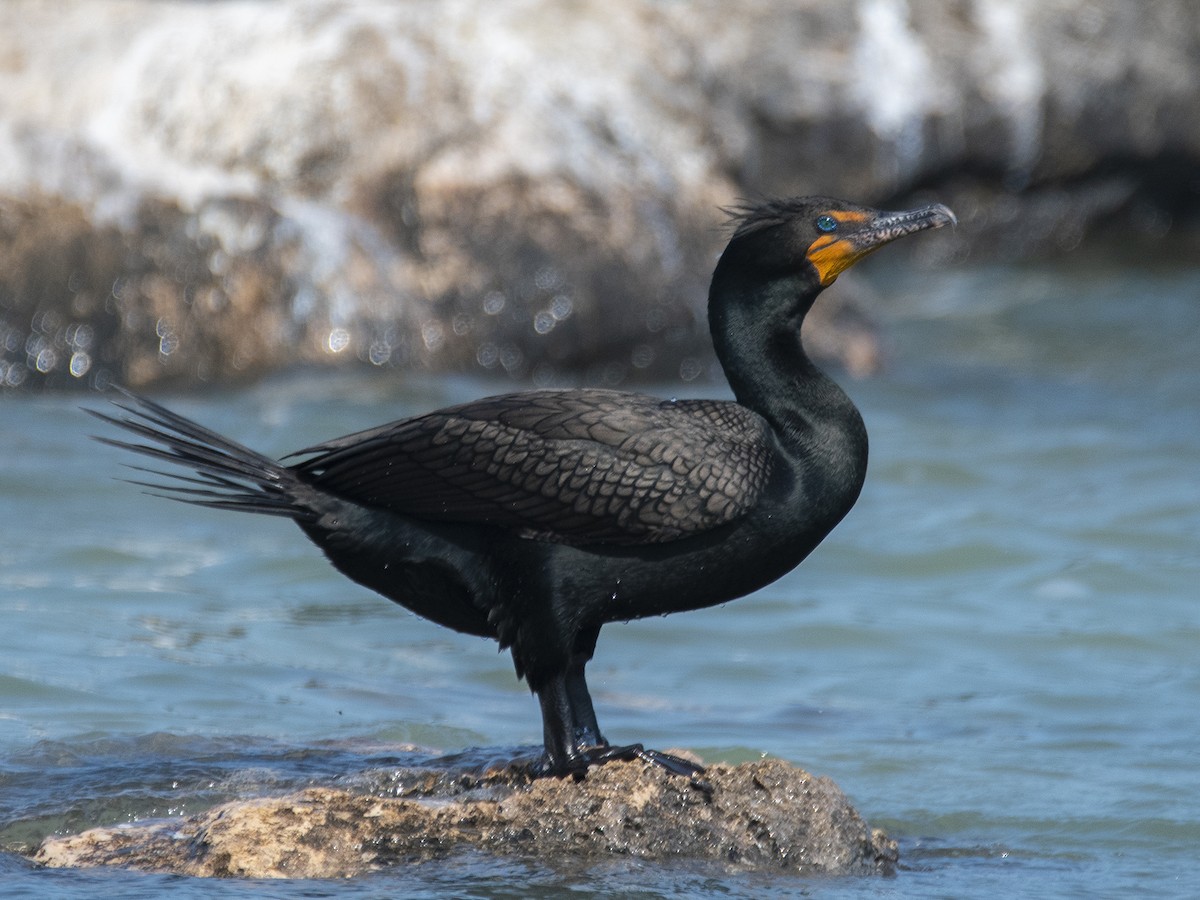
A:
x: 535, y: 518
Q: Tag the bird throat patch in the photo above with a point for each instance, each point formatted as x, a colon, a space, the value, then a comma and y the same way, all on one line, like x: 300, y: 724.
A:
x: 832, y: 254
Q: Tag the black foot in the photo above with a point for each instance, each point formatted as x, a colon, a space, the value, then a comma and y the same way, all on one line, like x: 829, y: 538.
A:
x: 578, y: 765
x: 673, y: 764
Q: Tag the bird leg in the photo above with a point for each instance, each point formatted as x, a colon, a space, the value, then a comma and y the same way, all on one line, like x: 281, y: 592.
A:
x: 559, y: 730
x: 573, y: 740
x: 587, y: 729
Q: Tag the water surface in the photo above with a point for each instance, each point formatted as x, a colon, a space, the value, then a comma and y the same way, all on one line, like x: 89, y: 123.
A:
x: 995, y: 654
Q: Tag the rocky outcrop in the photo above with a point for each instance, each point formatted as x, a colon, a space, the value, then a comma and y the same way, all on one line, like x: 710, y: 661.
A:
x: 763, y: 816
x: 527, y: 187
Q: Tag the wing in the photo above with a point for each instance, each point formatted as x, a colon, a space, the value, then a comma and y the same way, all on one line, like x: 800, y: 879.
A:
x: 577, y: 467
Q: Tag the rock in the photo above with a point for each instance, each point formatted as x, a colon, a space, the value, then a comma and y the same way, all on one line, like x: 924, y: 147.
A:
x: 531, y: 188
x: 765, y: 816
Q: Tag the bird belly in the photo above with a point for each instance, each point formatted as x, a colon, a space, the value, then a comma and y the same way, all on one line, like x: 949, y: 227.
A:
x: 730, y: 562
x: 426, y: 572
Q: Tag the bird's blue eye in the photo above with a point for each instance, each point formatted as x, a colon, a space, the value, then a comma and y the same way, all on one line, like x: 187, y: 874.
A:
x: 826, y: 224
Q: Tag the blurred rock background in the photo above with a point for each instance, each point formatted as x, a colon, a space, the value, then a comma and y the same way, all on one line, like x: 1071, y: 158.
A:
x: 199, y: 191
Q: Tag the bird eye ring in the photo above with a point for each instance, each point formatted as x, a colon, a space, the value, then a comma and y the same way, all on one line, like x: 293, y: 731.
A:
x: 826, y: 224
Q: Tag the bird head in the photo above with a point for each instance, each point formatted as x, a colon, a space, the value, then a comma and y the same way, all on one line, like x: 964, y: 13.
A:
x: 828, y: 235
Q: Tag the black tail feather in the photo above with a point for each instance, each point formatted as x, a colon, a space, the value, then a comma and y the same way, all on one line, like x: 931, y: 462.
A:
x: 226, y: 474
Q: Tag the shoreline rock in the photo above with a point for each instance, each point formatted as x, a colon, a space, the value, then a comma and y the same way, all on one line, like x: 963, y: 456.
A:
x: 529, y: 190
x: 762, y: 816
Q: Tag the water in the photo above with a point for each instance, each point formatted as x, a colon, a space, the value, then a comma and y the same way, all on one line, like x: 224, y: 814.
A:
x: 995, y: 654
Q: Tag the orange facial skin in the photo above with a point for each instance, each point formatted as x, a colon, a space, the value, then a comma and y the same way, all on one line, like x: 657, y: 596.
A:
x: 859, y: 233
x: 832, y: 254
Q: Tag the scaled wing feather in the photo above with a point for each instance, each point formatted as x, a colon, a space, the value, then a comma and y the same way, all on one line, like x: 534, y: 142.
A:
x: 599, y: 467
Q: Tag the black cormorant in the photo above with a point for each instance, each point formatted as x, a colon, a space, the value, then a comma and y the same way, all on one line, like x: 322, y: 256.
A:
x: 535, y: 518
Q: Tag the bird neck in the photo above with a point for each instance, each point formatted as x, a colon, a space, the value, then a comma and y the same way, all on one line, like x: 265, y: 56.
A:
x: 756, y: 333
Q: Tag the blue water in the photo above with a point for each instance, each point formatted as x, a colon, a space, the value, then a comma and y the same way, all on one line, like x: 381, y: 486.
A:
x: 997, y: 654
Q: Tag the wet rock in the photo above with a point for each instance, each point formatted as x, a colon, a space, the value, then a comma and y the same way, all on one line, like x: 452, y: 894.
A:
x: 529, y: 188
x: 760, y: 816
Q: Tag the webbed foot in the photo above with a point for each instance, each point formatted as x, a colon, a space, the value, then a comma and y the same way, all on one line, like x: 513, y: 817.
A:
x: 577, y: 765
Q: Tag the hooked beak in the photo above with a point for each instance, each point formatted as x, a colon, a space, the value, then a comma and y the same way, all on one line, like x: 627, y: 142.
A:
x: 860, y: 233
